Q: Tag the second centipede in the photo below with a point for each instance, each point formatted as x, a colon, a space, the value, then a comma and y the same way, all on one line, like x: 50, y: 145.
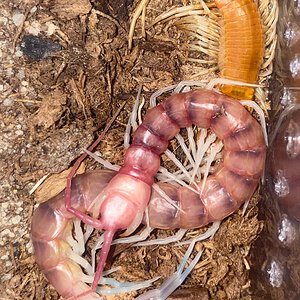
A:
x: 241, y: 46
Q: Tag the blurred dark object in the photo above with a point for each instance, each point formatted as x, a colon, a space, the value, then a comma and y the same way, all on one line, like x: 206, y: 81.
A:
x: 37, y: 48
x: 116, y: 9
x: 275, y: 257
x: 195, y: 293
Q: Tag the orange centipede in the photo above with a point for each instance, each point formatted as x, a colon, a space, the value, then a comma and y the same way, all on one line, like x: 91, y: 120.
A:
x: 241, y: 45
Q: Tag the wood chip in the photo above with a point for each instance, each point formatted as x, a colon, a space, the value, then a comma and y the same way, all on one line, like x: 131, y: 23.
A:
x: 54, y: 184
x: 71, y: 9
x: 51, y: 109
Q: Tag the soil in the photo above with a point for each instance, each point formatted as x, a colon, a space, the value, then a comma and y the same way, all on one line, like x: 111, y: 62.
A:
x: 66, y: 69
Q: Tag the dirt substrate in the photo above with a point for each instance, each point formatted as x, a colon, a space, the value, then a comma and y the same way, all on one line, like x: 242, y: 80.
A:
x: 56, y: 99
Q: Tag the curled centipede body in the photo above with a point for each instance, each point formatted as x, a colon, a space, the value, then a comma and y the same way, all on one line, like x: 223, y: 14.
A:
x: 241, y: 45
x: 51, y: 228
x: 122, y: 200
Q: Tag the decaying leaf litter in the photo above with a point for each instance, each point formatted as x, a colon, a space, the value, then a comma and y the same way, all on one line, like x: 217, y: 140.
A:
x: 53, y: 107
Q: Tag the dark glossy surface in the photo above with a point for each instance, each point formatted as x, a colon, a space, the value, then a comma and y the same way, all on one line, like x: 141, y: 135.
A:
x: 275, y: 257
x: 197, y: 293
x: 284, y: 165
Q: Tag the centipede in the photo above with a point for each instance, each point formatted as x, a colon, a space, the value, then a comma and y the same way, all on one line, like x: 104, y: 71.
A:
x: 241, y: 45
x: 123, y: 198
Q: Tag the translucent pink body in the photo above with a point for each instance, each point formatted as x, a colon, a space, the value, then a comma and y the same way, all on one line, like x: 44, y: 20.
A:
x: 50, y: 227
x: 236, y: 177
x: 126, y: 196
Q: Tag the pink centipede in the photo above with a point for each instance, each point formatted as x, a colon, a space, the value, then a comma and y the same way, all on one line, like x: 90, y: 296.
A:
x: 124, y: 197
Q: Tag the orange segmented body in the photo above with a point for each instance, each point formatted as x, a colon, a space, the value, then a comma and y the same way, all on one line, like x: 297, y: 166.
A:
x: 241, y: 45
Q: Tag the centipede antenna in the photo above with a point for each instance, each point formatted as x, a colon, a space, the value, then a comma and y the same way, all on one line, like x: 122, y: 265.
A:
x: 175, y: 281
